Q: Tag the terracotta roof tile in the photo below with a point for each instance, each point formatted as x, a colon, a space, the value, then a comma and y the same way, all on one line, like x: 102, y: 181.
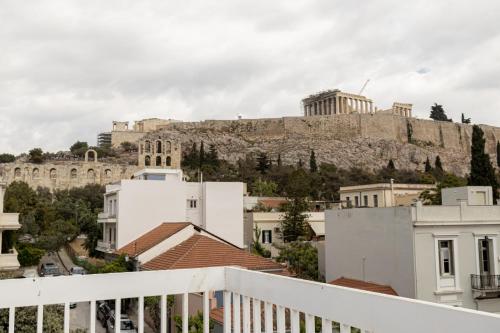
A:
x: 362, y: 285
x: 202, y: 251
x: 152, y: 238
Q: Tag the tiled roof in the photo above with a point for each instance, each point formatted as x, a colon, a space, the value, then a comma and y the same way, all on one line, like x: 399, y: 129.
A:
x: 202, y: 251
x: 362, y: 285
x: 152, y: 238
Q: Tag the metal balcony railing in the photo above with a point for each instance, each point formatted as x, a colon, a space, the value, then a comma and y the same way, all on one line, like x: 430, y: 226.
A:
x: 485, y: 282
x: 283, y: 301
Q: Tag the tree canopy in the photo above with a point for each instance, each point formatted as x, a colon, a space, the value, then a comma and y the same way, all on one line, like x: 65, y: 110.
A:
x: 482, y: 172
x: 437, y: 113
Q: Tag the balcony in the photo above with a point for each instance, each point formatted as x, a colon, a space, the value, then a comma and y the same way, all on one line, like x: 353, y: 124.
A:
x: 8, y: 261
x: 485, y: 282
x: 106, y: 247
x: 281, y: 300
x: 9, y: 221
x: 106, y: 218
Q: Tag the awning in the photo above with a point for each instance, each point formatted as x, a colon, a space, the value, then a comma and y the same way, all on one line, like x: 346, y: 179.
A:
x: 318, y: 228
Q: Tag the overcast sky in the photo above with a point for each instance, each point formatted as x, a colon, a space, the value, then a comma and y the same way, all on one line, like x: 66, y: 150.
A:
x: 69, y: 68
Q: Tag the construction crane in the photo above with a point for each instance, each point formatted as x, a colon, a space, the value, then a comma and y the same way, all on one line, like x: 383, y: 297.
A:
x: 364, y: 86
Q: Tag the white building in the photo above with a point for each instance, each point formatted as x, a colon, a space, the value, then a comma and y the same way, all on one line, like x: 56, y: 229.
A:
x: 446, y: 254
x: 8, y: 223
x: 382, y: 195
x: 269, y: 224
x: 133, y: 207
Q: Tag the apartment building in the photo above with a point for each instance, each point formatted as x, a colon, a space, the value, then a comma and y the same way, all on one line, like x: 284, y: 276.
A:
x: 154, y: 196
x: 382, y: 195
x: 446, y: 254
x: 9, y: 222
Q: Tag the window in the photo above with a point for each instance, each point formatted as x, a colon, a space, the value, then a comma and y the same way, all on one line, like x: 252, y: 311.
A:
x: 348, y: 200
x: 365, y: 201
x: 446, y: 257
x: 147, y: 161
x: 485, y: 256
x: 192, y: 203
x: 267, y: 237
x: 158, y: 160
x: 356, y: 201
x: 375, y: 200
x: 168, y: 161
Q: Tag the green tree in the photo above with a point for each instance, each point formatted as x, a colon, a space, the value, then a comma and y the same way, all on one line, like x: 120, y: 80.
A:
x: 313, y: 167
x: 437, y: 113
x: 7, y: 158
x: 294, y: 223
x: 482, y: 172
x: 428, y: 167
x: 465, y: 120
x: 195, y: 323
x: 202, y: 157
x: 128, y: 147
x: 498, y: 153
x: 263, y: 188
x: 263, y: 163
x: 302, y: 259
x: 391, y: 165
x: 79, y: 148
x: 213, y: 156
x: 35, y: 155
x: 279, y: 162
x: 28, y: 255
x: 25, y: 319
x: 438, y: 165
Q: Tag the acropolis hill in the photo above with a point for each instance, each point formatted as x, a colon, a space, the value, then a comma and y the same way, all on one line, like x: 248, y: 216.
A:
x: 347, y: 140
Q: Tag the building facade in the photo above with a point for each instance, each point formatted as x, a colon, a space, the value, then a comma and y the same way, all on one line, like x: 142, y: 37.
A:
x: 159, y: 151
x: 9, y: 222
x: 382, y: 195
x: 446, y: 254
x: 133, y: 207
x: 121, y: 132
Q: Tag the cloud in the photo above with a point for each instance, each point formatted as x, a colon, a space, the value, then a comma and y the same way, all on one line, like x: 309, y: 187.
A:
x: 69, y: 68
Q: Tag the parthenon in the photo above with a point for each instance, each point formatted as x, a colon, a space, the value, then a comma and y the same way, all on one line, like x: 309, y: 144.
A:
x: 333, y: 102
x: 336, y: 102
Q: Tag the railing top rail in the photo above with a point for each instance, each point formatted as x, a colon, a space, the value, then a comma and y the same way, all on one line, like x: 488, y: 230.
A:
x: 367, y: 310
x: 78, y: 288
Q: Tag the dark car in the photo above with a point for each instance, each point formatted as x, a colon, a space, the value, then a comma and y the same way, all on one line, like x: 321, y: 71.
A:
x: 126, y: 325
x: 104, y: 311
x: 77, y: 270
x: 49, y: 269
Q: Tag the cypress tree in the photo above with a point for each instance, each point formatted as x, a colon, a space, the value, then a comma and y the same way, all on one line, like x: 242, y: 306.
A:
x: 482, y: 172
x: 313, y: 166
x: 201, y: 159
x: 279, y: 160
x: 428, y: 167
x: 263, y: 163
x: 498, y: 153
x: 438, y: 165
x: 437, y: 113
x: 391, y: 165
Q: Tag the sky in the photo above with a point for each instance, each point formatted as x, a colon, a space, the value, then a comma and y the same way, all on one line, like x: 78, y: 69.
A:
x: 69, y: 68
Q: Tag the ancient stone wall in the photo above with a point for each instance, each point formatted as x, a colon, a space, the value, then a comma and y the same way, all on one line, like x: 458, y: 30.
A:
x: 60, y: 175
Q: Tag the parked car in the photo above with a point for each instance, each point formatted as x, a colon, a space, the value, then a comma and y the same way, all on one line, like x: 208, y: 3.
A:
x: 126, y: 325
x: 77, y: 270
x: 104, y: 311
x: 49, y: 269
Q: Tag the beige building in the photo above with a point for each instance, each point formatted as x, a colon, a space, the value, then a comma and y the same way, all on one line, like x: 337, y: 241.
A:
x: 446, y: 254
x: 121, y: 132
x: 382, y: 195
x: 8, y: 223
x: 333, y: 102
x: 269, y: 223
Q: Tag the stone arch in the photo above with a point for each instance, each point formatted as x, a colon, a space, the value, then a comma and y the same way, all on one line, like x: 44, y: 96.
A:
x: 147, y: 160
x: 147, y: 146
x: 108, y: 173
x: 91, y: 175
x: 53, y: 173
x: 17, y: 173
x: 92, y: 154
x: 168, y: 147
x: 158, y: 161
x: 158, y: 147
x: 35, y: 173
x: 73, y: 174
x: 168, y: 161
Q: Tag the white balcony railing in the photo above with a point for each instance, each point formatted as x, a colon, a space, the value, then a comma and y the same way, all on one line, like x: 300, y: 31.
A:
x: 245, y: 289
x: 105, y: 246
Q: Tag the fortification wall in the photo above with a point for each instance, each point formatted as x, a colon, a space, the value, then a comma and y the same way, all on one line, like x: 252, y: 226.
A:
x: 62, y: 175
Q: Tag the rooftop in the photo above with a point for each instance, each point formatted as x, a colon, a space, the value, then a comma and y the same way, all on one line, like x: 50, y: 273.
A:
x: 387, y: 186
x: 363, y: 285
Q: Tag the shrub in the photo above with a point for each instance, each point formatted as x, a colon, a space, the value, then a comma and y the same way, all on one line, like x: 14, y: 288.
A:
x: 28, y: 255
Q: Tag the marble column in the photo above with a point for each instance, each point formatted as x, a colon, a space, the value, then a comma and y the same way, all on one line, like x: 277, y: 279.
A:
x: 337, y: 108
x: 371, y: 107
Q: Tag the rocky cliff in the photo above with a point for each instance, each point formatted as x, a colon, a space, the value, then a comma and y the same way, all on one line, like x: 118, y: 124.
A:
x: 361, y: 140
